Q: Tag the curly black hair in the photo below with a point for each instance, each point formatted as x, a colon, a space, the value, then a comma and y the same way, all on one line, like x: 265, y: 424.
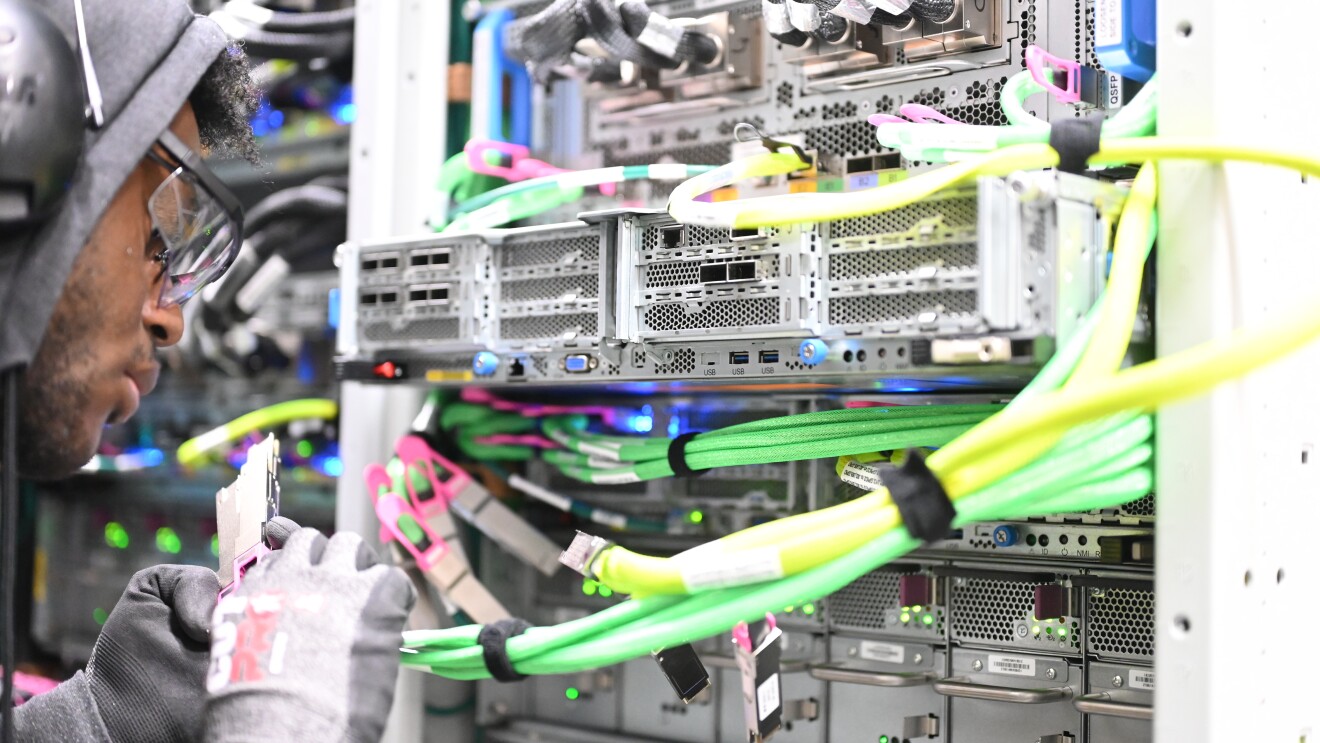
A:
x: 224, y: 101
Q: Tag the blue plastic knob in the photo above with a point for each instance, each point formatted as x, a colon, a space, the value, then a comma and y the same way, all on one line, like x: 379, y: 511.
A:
x: 485, y: 363
x: 813, y: 351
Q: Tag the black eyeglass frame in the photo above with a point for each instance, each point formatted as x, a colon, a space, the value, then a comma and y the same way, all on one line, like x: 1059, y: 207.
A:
x: 187, y: 159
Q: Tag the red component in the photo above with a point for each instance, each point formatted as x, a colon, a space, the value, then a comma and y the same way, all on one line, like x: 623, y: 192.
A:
x: 914, y: 590
x: 1050, y: 602
x: 387, y: 370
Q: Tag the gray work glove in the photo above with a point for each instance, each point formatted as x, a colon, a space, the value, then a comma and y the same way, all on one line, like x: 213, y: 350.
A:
x: 307, y: 649
x: 146, y: 678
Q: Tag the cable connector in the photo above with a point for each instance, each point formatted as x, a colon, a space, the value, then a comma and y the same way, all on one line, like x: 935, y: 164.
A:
x: 582, y: 552
x: 744, y: 132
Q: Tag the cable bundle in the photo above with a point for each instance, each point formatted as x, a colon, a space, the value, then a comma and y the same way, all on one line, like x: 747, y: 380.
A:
x: 627, y: 32
x: 272, y: 34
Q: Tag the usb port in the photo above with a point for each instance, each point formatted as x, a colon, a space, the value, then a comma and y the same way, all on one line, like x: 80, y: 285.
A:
x: 739, y: 357
x: 769, y: 357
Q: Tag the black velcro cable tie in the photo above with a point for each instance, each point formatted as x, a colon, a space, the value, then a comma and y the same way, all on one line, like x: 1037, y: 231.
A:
x: 1076, y: 140
x: 678, y: 456
x: 494, y: 649
x: 919, y: 497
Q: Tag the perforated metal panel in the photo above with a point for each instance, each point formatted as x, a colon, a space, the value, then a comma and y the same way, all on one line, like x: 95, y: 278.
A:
x: 549, y: 327
x: 862, y: 603
x: 552, y: 289
x: 735, y: 313
x: 900, y: 307
x: 526, y: 252
x: 685, y: 360
x: 985, y: 610
x: 1143, y: 506
x: 955, y: 211
x: 897, y: 261
x: 1121, y: 623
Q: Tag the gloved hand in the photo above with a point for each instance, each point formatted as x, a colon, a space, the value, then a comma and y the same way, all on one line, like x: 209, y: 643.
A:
x: 146, y: 678
x: 307, y: 648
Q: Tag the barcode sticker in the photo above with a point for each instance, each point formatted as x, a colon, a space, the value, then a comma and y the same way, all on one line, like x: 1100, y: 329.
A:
x: 1144, y: 680
x: 1012, y: 665
x: 882, y: 652
x: 767, y: 697
x: 864, y: 476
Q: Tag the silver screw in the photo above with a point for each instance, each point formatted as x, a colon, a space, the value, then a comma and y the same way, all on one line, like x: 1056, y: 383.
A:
x: 1051, y: 674
x: 977, y: 665
x: 1117, y: 681
x: 967, y: 23
x: 852, y: 652
x: 1097, y: 591
x: 916, y: 659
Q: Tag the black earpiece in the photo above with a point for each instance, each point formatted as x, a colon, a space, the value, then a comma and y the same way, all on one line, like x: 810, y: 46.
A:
x: 42, y: 116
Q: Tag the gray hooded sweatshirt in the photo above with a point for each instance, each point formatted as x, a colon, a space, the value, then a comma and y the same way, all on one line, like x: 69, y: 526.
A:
x: 149, y: 56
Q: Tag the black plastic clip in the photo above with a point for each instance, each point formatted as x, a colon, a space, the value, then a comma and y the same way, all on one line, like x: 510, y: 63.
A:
x: 744, y: 132
x: 919, y: 497
x: 677, y: 456
x: 493, y: 640
x: 1076, y: 140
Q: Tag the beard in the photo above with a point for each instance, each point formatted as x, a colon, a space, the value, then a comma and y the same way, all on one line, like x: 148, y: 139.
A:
x: 54, y: 395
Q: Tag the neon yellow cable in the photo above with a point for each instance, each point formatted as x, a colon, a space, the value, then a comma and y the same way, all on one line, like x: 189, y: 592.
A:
x: 821, y: 207
x: 194, y: 450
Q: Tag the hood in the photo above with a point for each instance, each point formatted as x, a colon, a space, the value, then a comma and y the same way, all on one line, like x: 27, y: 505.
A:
x: 149, y: 55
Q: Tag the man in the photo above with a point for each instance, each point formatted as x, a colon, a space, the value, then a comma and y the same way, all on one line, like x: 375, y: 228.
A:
x: 307, y: 648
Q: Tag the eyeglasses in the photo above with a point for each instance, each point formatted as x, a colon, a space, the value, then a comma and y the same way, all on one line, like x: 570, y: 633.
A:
x: 197, y: 218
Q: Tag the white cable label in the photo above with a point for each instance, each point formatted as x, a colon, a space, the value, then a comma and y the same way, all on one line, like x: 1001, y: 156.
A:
x: 767, y: 697
x: 667, y: 172
x: 615, y: 520
x: 592, y: 177
x: 864, y: 476
x: 615, y: 478
x: 1012, y: 665
x: 804, y: 16
x: 1144, y: 680
x: 732, y: 569
x: 661, y: 35
x: 1108, y: 23
x: 853, y: 10
x: 776, y: 18
x: 881, y: 652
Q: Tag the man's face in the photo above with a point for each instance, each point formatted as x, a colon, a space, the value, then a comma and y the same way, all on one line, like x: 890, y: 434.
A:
x: 97, y: 357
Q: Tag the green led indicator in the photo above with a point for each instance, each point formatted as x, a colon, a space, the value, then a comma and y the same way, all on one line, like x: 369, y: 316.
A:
x: 215, y: 545
x: 1063, y: 632
x: 168, y: 541
x: 928, y: 620
x: 917, y: 608
x: 606, y: 591
x: 905, y: 617
x: 589, y: 587
x: 116, y: 535
x: 696, y: 517
x: 788, y: 610
x: 304, y: 449
x: 571, y: 693
x: 884, y: 739
x: 1035, y: 630
x: 100, y: 615
x: 1049, y: 630
x: 809, y: 609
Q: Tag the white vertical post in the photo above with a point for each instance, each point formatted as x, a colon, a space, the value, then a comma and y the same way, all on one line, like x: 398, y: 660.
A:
x: 401, y: 58
x: 1238, y: 484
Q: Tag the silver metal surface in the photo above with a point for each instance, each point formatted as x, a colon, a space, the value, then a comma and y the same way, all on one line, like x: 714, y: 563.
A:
x: 1103, y: 704
x: 958, y: 687
x: 872, y: 678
